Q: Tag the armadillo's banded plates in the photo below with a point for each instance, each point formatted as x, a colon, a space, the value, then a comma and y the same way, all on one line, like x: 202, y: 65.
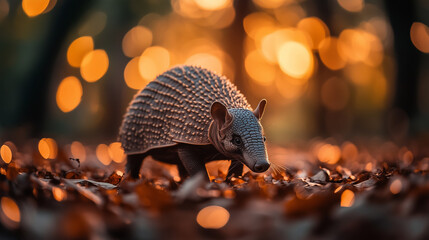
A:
x: 175, y: 107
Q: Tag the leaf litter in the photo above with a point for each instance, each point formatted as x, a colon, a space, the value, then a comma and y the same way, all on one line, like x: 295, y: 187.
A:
x: 376, y: 193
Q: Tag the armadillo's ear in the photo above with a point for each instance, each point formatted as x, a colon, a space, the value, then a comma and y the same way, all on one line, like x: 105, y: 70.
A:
x: 259, y: 111
x: 220, y: 114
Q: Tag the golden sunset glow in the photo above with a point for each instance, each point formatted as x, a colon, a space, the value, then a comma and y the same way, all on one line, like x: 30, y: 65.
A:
x: 315, y: 28
x: 258, y: 25
x: 354, y: 45
x: 258, y: 69
x: 212, y: 5
x: 329, y: 53
x: 206, y: 60
x: 295, y: 59
x: 272, y: 42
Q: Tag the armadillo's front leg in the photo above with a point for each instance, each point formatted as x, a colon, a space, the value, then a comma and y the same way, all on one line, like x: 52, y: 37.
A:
x: 192, y: 161
x: 235, y: 169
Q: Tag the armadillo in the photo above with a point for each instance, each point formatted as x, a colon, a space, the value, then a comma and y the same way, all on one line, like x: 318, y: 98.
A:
x: 189, y: 116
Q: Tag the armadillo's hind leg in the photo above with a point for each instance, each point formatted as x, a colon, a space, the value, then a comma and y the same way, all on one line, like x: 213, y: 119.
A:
x: 134, y: 163
x: 183, y: 173
x: 192, y: 161
x: 235, y: 169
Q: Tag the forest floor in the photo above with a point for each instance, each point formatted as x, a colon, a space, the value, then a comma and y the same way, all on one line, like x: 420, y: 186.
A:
x: 321, y: 190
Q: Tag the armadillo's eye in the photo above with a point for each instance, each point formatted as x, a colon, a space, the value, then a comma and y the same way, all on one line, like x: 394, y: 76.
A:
x: 265, y: 139
x: 236, y: 140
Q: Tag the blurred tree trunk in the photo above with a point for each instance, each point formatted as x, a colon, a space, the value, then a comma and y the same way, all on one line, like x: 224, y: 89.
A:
x: 233, y: 41
x: 402, y: 15
x: 324, y: 12
x: 34, y: 102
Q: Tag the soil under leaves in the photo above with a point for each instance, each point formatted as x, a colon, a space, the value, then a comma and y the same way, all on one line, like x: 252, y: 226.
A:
x: 317, y: 191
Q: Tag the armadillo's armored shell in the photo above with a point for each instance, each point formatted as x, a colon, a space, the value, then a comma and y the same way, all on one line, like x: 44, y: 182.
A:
x: 175, y: 107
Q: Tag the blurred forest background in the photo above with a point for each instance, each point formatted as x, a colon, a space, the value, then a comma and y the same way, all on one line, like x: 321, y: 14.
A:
x: 338, y: 68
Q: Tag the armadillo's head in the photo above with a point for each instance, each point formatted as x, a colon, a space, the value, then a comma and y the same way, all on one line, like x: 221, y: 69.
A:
x: 237, y: 133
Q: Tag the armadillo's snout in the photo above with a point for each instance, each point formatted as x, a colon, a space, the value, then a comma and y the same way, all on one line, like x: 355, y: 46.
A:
x: 261, y: 166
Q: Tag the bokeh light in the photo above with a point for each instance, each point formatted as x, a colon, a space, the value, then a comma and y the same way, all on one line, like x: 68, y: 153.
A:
x: 78, y: 49
x: 136, y: 41
x: 69, y: 94
x: 59, y: 194
x: 329, y: 53
x: 261, y: 71
x: 44, y: 148
x: 258, y: 25
x: 347, y: 198
x: 102, y: 152
x: 349, y: 151
x: 419, y: 34
x: 315, y: 28
x: 272, y: 42
x: 50, y: 6
x: 116, y: 152
x: 329, y: 154
x: 352, y: 5
x: 146, y: 68
x: 154, y: 61
x: 132, y: 76
x: 211, y: 5
x: 396, y: 186
x: 295, y: 59
x: 213, y: 217
x: 206, y: 60
x: 78, y: 151
x: 354, y: 45
x: 6, y: 153
x: 48, y: 148
x: 94, y: 65
x: 160, y: 56
x: 271, y: 3
x: 10, y: 209
x: 34, y: 8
